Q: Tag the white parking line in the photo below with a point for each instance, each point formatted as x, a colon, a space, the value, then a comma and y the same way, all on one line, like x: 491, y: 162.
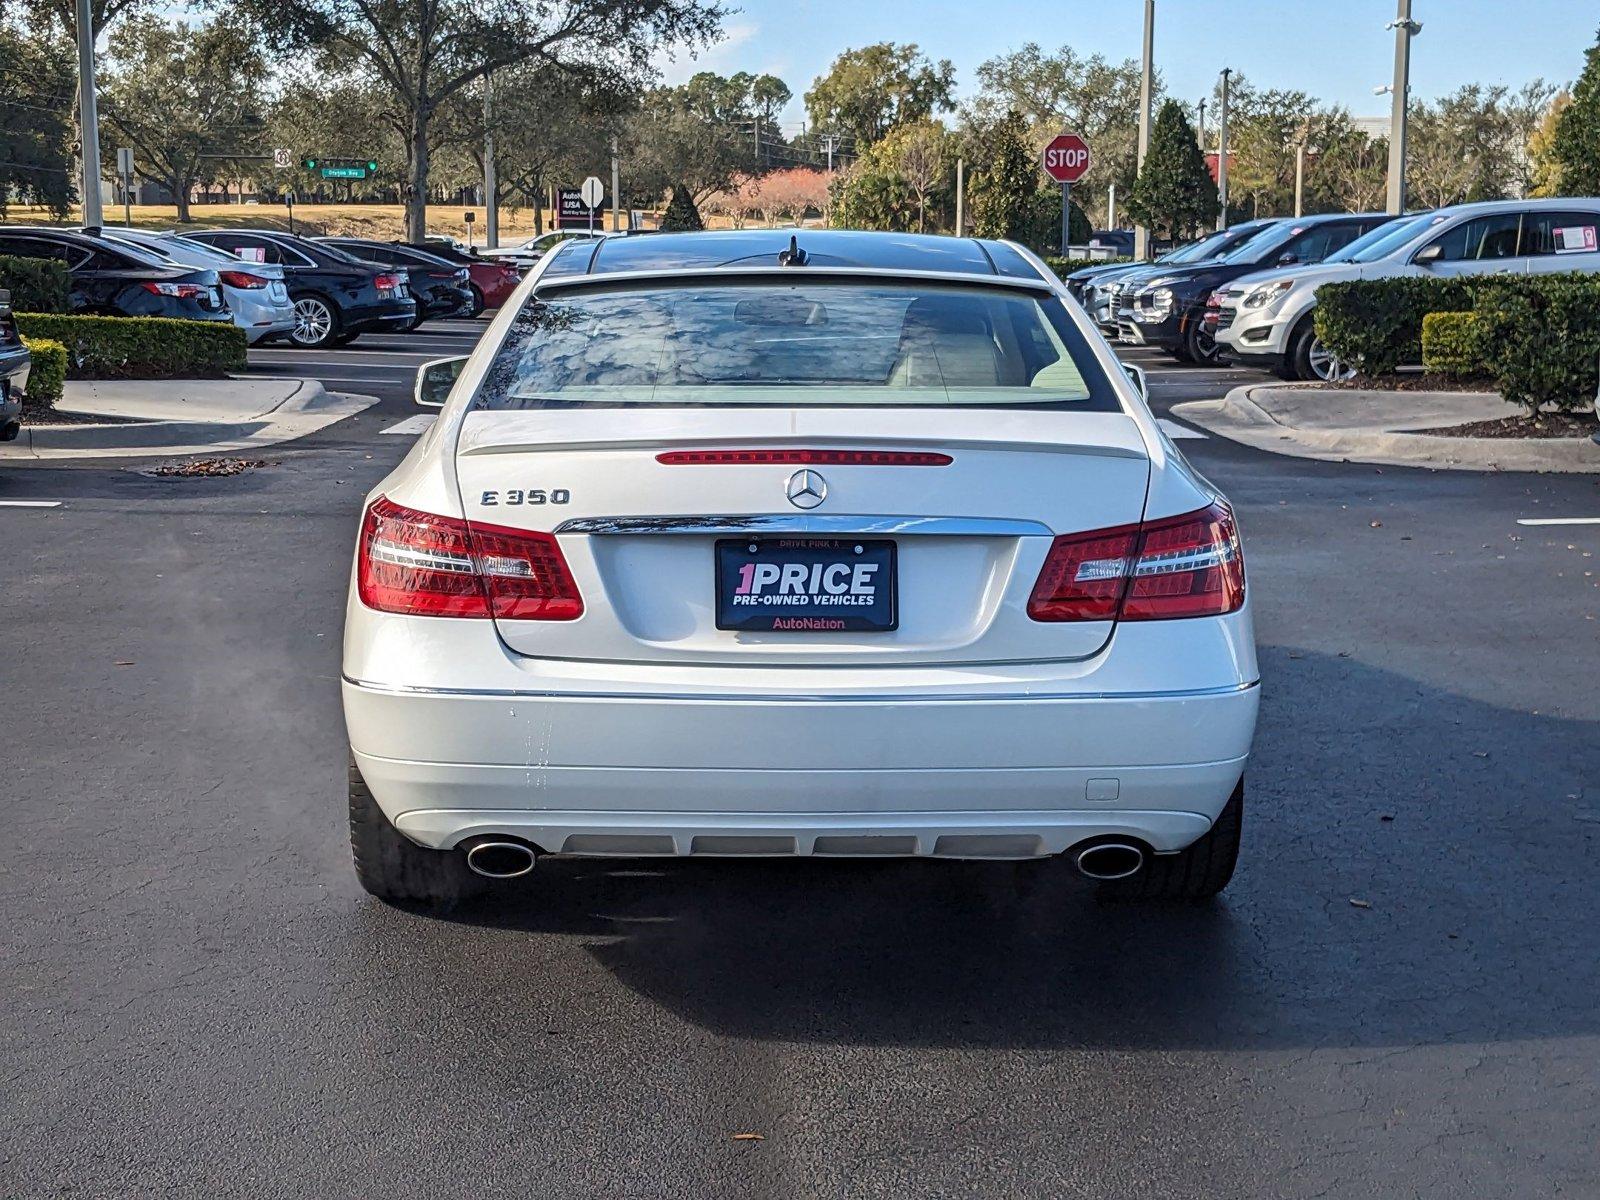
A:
x: 1559, y: 521
x: 1175, y: 431
x: 416, y: 424
x: 30, y: 504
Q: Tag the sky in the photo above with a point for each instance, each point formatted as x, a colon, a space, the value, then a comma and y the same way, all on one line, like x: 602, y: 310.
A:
x: 1338, y: 51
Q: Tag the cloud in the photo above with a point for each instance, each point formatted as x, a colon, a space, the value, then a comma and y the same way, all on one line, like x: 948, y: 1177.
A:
x: 722, y: 56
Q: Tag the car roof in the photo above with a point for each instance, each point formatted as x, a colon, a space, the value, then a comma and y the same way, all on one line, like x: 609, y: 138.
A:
x: 737, y: 248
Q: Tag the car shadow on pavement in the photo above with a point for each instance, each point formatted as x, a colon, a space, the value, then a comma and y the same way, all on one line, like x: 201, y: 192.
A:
x: 1418, y: 867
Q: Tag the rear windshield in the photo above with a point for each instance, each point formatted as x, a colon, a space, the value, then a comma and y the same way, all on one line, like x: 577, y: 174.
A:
x: 813, y: 342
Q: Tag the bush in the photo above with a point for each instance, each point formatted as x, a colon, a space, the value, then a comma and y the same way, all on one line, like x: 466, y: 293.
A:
x: 681, y: 215
x: 35, y: 284
x: 1540, y: 336
x: 1452, y: 345
x: 140, y: 347
x: 49, y: 371
x: 1066, y: 266
x: 1375, y: 325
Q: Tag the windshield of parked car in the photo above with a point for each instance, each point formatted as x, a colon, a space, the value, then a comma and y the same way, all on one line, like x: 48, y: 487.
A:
x: 1263, y: 243
x: 184, y: 250
x: 811, y: 343
x: 1198, y: 251
x: 1386, y: 239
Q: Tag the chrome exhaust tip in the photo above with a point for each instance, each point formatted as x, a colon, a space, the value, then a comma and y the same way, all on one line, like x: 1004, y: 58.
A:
x: 1106, y: 861
x: 500, y: 859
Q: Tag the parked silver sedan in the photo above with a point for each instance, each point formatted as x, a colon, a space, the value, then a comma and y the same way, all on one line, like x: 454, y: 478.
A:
x: 255, y: 292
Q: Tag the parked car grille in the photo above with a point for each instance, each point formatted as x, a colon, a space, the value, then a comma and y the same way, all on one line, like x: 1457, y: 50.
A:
x: 1224, y: 317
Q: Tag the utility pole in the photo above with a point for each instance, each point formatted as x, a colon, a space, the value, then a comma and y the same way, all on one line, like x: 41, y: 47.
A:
x: 1200, y: 127
x: 1404, y: 30
x: 1222, y: 152
x: 1141, y: 235
x: 88, y: 119
x: 1299, y: 177
x: 491, y: 186
x: 961, y: 197
x: 1111, y: 206
x: 616, y: 193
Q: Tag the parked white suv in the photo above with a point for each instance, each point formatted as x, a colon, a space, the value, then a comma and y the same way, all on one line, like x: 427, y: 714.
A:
x: 1266, y: 318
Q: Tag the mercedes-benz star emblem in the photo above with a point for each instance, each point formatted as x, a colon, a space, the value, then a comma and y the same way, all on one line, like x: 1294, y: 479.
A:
x: 806, y: 489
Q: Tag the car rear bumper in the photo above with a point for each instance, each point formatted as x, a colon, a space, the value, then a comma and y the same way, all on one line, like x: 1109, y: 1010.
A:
x: 1012, y: 770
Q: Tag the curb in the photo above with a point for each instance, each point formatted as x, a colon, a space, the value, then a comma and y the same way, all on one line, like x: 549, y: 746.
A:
x: 1239, y: 418
x: 306, y: 410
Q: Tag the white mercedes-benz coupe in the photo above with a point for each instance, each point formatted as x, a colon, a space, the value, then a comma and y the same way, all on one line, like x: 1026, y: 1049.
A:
x: 776, y: 543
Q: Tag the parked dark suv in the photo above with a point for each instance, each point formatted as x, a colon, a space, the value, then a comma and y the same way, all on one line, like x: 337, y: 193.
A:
x: 440, y: 288
x: 120, y: 280
x: 336, y: 296
x: 14, y: 363
x: 1168, y: 309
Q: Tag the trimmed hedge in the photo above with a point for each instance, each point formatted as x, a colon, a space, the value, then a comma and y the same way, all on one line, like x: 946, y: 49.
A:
x: 140, y: 347
x: 1541, y: 338
x: 1066, y: 266
x: 1452, y: 345
x: 1375, y: 325
x: 35, y: 284
x: 48, y: 374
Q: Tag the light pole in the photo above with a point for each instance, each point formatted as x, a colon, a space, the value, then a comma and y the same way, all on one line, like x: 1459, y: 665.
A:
x: 1222, y: 152
x: 1299, y: 178
x: 88, y: 119
x: 1141, y: 235
x: 1404, y: 30
x: 491, y: 185
x: 1200, y: 127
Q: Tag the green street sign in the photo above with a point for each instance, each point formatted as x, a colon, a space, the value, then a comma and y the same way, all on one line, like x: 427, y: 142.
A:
x: 341, y: 168
x: 344, y: 172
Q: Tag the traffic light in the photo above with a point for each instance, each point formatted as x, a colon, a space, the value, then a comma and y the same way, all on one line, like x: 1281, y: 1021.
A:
x: 310, y: 164
x: 372, y: 167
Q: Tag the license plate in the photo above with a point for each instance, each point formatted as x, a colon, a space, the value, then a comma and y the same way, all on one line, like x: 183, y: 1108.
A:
x: 806, y: 585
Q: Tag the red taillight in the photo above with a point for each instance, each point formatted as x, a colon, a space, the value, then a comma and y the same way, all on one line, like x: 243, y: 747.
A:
x: 239, y: 279
x: 1188, y: 566
x: 386, y: 283
x: 427, y: 565
x: 810, y: 458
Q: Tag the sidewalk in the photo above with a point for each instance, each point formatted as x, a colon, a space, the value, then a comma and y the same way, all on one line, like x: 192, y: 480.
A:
x: 1351, y: 425
x: 184, y: 416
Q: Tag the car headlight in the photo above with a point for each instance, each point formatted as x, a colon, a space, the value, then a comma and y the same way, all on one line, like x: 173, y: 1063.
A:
x: 1268, y: 296
x: 1153, y: 305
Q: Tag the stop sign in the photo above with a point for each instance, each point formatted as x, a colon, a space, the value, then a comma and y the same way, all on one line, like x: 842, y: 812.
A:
x: 1066, y: 158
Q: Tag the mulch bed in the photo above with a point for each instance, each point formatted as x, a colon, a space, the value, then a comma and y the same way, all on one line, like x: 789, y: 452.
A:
x: 44, y: 414
x: 1545, y: 425
x: 211, y: 468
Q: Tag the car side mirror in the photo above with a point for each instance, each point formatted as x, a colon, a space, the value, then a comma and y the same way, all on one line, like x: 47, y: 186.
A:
x: 1288, y: 259
x: 1428, y: 255
x: 1140, y: 383
x: 436, y: 378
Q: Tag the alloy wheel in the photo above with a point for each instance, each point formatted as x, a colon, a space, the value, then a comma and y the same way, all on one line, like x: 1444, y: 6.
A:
x: 1325, y: 365
x: 313, y: 322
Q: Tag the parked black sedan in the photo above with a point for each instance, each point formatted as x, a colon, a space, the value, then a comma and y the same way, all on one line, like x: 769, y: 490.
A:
x: 440, y: 288
x: 116, y: 279
x: 336, y: 296
x: 1169, y: 307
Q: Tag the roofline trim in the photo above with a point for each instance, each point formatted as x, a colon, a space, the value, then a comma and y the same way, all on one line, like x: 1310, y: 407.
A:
x: 602, y: 278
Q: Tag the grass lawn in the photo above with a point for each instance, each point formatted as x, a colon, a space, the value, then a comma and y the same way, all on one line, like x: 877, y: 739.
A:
x: 382, y: 221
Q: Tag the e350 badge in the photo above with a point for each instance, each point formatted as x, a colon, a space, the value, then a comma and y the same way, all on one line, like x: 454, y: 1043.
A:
x: 526, y: 496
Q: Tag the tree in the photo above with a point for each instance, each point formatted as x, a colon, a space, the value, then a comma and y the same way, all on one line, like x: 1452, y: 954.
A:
x: 36, y: 132
x: 1174, y: 193
x: 920, y: 153
x: 681, y: 215
x: 891, y: 184
x: 1544, y: 168
x: 1352, y: 172
x: 739, y: 202
x: 1065, y: 92
x: 315, y: 116
x: 1003, y: 189
x: 686, y: 136
x: 869, y: 91
x: 789, y: 194
x: 1576, y: 143
x: 182, y: 95
x: 424, y: 52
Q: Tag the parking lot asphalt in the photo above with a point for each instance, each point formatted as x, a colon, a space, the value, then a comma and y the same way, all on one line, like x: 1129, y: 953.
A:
x: 1396, y: 997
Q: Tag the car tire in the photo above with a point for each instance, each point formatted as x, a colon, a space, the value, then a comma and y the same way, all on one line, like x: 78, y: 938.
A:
x: 395, y: 869
x: 1198, y: 348
x: 316, y: 322
x: 1197, y: 873
x: 478, y: 305
x: 1308, y: 361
